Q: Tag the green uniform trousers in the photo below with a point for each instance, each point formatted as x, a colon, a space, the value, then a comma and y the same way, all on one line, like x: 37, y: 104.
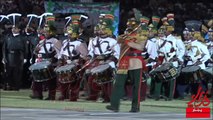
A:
x: 165, y: 88
x: 118, y: 88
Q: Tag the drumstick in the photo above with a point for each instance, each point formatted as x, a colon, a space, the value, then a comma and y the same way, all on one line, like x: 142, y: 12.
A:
x: 86, y: 65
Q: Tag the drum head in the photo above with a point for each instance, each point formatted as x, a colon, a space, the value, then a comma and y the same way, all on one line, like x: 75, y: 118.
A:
x: 39, y: 65
x: 163, y: 67
x: 100, y: 68
x: 65, y: 68
x: 189, y: 69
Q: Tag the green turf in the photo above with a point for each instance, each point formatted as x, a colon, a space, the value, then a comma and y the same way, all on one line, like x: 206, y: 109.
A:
x: 21, y: 99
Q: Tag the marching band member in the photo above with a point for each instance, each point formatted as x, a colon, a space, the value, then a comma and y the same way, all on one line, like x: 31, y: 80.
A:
x: 167, y: 53
x: 72, y: 51
x: 105, y: 50
x: 47, y: 49
x: 197, y: 52
x: 147, y: 54
x: 131, y: 65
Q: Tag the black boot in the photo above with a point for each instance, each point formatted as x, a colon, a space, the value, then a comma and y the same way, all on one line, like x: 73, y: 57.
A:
x: 134, y: 110
x: 36, y: 97
x: 109, y: 107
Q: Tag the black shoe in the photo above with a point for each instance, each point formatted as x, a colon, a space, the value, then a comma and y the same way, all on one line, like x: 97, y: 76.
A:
x: 168, y: 99
x: 149, y: 96
x: 36, y: 97
x: 134, y: 110
x: 109, y: 107
x: 91, y: 99
x: 61, y: 98
x: 157, y: 98
x: 181, y: 98
x: 125, y: 98
x: 49, y: 98
x: 105, y: 101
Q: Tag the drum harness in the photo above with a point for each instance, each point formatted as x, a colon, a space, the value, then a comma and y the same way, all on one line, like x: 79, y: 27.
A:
x: 74, y: 52
x: 47, y: 53
x: 98, y: 45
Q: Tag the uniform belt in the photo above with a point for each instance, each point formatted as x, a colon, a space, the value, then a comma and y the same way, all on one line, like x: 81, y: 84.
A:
x: 71, y: 58
x: 133, y: 54
x: 102, y: 57
x: 45, y: 56
x: 14, y: 51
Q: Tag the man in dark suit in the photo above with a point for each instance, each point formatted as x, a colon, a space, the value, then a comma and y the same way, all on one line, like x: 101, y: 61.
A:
x: 14, y: 56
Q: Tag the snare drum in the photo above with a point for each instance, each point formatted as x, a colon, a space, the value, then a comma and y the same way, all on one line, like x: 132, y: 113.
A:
x: 66, y: 73
x: 165, y: 72
x: 192, y: 74
x: 103, y: 74
x: 42, y: 71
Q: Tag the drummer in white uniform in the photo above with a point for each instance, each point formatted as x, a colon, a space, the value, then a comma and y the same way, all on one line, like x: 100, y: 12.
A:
x: 167, y: 54
x: 105, y: 50
x: 73, y: 53
x: 47, y: 49
x: 198, y: 54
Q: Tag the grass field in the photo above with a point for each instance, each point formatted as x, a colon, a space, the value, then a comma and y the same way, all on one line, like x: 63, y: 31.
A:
x: 20, y: 99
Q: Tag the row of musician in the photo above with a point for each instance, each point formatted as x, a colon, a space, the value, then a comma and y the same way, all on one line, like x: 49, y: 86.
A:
x: 93, y: 68
x: 74, y: 64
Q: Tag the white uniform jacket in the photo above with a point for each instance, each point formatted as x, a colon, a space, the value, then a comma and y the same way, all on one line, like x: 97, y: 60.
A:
x: 104, y: 46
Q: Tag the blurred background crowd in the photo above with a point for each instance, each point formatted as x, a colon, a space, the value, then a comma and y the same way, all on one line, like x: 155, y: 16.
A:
x: 183, y: 10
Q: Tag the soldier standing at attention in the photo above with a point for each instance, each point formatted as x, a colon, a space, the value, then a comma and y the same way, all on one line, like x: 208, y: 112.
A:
x: 14, y: 55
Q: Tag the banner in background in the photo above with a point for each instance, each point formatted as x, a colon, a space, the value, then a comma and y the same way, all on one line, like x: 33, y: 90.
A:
x: 101, y: 8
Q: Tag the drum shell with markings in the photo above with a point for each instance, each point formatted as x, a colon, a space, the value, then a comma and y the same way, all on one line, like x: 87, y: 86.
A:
x: 164, y: 72
x: 42, y: 71
x: 66, y: 73
x: 103, y: 73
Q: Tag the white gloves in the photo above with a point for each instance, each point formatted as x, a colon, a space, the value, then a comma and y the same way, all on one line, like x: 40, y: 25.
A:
x: 3, y: 61
x: 25, y: 60
x: 69, y: 61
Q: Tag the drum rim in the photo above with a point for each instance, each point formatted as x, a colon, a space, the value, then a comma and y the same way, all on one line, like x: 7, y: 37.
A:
x: 39, y: 65
x: 94, y: 71
x: 187, y: 67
